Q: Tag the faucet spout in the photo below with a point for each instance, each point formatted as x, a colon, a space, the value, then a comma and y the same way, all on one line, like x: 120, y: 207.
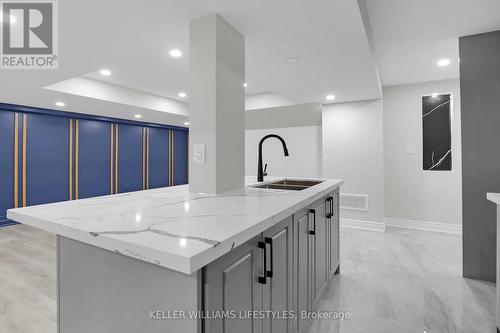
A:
x: 260, y: 171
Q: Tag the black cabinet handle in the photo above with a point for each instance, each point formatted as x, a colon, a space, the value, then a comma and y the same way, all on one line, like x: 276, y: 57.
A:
x: 330, y: 199
x: 262, y: 245
x: 313, y: 232
x: 269, y: 240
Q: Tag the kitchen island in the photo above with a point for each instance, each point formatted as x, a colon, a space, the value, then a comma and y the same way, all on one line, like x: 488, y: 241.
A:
x: 158, y: 260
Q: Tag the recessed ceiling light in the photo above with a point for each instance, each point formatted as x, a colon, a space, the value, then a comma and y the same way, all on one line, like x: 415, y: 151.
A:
x: 138, y: 116
x: 182, y: 94
x: 105, y: 72
x: 175, y: 53
x: 60, y: 104
x: 245, y: 85
x: 186, y: 123
x: 330, y: 97
x: 444, y: 62
x: 291, y: 60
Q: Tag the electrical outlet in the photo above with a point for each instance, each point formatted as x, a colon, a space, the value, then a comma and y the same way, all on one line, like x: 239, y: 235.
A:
x: 199, y: 153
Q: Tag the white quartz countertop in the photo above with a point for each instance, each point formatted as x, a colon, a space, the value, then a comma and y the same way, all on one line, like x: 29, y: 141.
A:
x: 495, y: 197
x: 170, y: 226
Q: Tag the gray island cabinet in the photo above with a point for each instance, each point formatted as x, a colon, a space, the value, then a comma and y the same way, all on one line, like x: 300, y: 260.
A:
x: 167, y: 260
x: 283, y: 272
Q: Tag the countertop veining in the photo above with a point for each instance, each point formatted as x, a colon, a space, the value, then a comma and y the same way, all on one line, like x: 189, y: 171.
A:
x: 170, y: 226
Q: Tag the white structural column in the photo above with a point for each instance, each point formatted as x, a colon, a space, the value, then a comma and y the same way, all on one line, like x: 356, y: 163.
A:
x: 216, y: 106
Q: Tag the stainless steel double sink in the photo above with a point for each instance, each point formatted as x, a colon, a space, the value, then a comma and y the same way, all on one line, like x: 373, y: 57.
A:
x: 289, y: 184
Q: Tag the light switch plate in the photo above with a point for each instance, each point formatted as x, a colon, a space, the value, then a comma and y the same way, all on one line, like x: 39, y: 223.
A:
x: 199, y: 153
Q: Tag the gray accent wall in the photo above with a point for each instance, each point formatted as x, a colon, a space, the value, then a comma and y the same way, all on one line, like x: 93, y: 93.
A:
x: 480, y: 100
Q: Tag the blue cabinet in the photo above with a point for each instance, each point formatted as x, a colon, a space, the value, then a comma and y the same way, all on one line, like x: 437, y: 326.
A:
x: 180, y: 157
x: 93, y: 168
x: 47, y: 159
x: 7, y: 132
x: 48, y: 156
x: 130, y: 158
x: 158, y: 157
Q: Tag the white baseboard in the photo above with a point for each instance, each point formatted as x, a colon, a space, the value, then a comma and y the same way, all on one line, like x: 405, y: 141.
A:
x: 401, y: 223
x: 423, y: 225
x: 364, y: 225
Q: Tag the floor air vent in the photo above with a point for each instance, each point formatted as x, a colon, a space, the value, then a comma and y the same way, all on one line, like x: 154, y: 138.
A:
x: 353, y: 201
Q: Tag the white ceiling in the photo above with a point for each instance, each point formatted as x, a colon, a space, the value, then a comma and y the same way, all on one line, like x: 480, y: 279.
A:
x: 327, y: 37
x: 410, y: 36
x: 132, y: 39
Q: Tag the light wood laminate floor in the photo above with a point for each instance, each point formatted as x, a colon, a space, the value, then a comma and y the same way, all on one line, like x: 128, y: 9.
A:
x: 397, y: 281
x: 27, y: 280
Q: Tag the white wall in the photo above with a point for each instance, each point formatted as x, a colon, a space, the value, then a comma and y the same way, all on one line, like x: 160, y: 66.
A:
x: 287, y: 116
x: 364, y: 144
x: 410, y: 192
x: 265, y: 100
x: 300, y: 127
x: 216, y: 105
x: 304, y: 146
x: 353, y: 151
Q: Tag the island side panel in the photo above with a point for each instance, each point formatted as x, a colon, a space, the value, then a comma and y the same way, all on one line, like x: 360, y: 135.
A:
x: 102, y: 291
